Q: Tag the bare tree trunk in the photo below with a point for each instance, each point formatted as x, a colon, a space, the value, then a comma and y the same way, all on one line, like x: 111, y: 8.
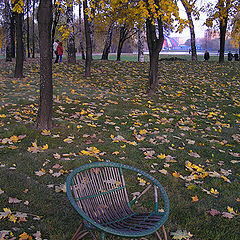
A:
x: 44, y: 16
x: 33, y: 31
x: 28, y: 33
x: 20, y: 51
x: 223, y: 28
x: 55, y: 22
x: 193, y: 39
x: 192, y: 32
x: 155, y: 46
x: 88, y: 41
x: 13, y: 26
x: 71, y: 39
x: 80, y: 31
x: 7, y: 19
x: 23, y: 38
x: 140, y: 45
x: 122, y: 39
x: 108, y: 42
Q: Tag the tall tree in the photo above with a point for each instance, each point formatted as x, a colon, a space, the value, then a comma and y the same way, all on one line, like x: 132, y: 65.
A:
x: 108, y: 42
x: 57, y: 12
x: 191, y: 11
x: 44, y: 17
x: 88, y: 39
x: 18, y: 6
x: 71, y: 50
x: 12, y: 29
x: 140, y: 45
x: 80, y: 30
x: 223, y: 11
x: 126, y: 32
x: 28, y: 27
x: 33, y: 29
x: 7, y: 20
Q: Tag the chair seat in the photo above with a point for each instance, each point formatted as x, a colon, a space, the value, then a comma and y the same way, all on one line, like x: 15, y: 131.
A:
x: 134, y: 224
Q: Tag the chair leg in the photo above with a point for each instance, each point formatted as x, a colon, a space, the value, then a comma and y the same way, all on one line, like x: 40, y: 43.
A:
x: 80, y: 233
x: 164, y: 232
x: 158, y: 235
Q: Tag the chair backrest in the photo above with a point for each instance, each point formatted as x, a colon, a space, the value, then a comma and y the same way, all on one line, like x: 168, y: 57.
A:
x: 98, y: 193
x: 101, y: 193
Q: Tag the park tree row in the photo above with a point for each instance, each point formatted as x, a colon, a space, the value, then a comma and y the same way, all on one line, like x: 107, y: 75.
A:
x: 156, y: 16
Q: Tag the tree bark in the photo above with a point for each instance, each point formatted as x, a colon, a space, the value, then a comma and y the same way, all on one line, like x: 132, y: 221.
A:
x: 122, y: 39
x: 28, y: 33
x: 44, y: 16
x: 192, y: 31
x: 223, y: 28
x: 33, y: 30
x: 192, y: 34
x: 71, y: 39
x: 140, y: 45
x: 13, y: 26
x: 54, y: 25
x: 88, y: 42
x: 7, y: 19
x: 108, y: 42
x: 155, y: 46
x: 19, y: 50
x: 80, y: 31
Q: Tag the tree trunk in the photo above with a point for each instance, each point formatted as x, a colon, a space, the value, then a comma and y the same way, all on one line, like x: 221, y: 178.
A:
x: 28, y: 33
x: 108, y: 42
x: 19, y: 50
x: 155, y: 46
x: 122, y: 39
x: 80, y: 31
x: 23, y: 39
x: 192, y: 34
x: 7, y: 18
x: 54, y: 26
x: 33, y: 30
x: 44, y: 16
x: 88, y: 41
x: 223, y: 28
x: 140, y: 45
x: 71, y: 39
x: 13, y: 26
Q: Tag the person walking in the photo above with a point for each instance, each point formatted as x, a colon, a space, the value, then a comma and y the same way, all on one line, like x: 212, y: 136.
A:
x: 230, y: 56
x: 206, y: 55
x: 60, y: 51
x: 236, y: 56
x: 55, y: 44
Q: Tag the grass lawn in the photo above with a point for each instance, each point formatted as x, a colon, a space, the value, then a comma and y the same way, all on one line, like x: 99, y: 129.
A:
x: 187, y: 136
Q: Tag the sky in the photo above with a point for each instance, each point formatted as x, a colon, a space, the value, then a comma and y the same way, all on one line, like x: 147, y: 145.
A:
x: 198, y: 25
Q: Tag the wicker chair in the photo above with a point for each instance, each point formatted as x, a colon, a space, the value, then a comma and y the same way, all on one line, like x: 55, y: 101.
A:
x: 98, y: 192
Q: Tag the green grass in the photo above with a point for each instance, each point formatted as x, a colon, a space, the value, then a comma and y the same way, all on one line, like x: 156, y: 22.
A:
x: 194, y: 116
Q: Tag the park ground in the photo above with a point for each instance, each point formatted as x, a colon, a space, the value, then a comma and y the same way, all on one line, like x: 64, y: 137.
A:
x: 186, y: 135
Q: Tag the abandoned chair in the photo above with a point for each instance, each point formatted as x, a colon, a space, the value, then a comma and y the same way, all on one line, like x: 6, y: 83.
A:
x: 99, y: 194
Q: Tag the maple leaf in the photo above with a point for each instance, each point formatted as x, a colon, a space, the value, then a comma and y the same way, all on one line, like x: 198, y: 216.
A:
x: 213, y: 212
x: 13, y: 200
x: 25, y: 236
x: 179, y: 235
x: 195, y: 198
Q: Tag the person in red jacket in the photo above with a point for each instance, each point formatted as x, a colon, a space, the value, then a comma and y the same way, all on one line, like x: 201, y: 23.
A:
x: 60, y: 51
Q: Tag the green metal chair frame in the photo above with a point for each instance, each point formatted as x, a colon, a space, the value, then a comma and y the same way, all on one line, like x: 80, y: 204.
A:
x: 98, y: 193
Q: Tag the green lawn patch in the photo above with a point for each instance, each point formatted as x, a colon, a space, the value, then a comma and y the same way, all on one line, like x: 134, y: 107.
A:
x: 186, y: 136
